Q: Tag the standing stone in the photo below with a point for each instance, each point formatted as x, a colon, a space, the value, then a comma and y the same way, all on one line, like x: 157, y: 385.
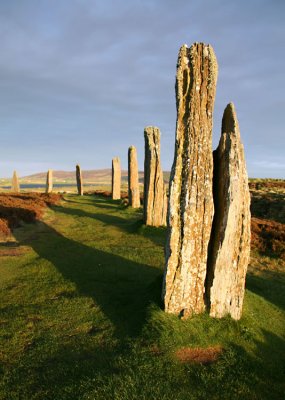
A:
x: 133, y: 178
x: 15, y: 183
x: 116, y: 178
x: 155, y: 199
x: 230, y: 240
x: 79, y: 180
x: 191, y: 200
x: 49, y: 181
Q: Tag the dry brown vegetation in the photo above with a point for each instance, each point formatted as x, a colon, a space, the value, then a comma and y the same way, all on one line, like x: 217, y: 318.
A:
x: 26, y: 207
x: 268, y: 217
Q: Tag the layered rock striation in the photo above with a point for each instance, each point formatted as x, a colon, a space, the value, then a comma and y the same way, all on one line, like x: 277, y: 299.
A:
x: 133, y: 178
x: 230, y: 240
x: 191, y: 201
x: 155, y: 199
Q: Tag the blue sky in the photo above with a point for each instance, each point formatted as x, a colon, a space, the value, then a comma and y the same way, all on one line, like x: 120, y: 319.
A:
x: 80, y: 79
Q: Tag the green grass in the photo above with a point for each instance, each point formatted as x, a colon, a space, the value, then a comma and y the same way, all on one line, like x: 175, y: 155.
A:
x: 81, y: 317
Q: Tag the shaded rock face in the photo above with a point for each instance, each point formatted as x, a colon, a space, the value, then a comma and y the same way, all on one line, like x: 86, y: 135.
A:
x: 230, y: 240
x: 79, y: 180
x: 49, y: 181
x: 15, y: 187
x: 133, y: 178
x: 155, y: 199
x: 191, y: 200
x: 116, y: 178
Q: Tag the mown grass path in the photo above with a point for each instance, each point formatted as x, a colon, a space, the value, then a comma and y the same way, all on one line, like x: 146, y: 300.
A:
x: 81, y: 318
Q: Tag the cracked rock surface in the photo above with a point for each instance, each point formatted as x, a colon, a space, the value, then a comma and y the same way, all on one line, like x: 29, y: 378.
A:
x: 230, y: 242
x: 191, y: 200
x: 133, y: 178
x: 155, y: 199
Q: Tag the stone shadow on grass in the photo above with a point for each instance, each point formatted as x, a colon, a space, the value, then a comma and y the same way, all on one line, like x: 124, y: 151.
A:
x: 98, y: 201
x: 132, y: 224
x: 237, y: 374
x: 268, y: 286
x: 122, y: 288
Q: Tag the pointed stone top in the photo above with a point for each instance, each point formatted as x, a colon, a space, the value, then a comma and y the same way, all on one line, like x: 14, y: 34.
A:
x: 132, y: 147
x: 77, y: 166
x: 116, y: 159
x: 230, y: 122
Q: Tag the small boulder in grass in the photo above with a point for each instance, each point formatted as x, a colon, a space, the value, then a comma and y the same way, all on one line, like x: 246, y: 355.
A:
x: 199, y: 355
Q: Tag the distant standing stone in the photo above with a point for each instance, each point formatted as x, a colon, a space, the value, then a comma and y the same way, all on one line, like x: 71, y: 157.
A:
x: 191, y: 200
x: 230, y: 242
x: 155, y: 199
x: 79, y: 180
x: 116, y: 178
x: 133, y: 178
x: 15, y: 183
x: 49, y: 184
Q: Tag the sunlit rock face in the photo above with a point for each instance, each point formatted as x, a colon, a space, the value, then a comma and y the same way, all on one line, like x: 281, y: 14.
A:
x: 155, y: 200
x: 116, y: 178
x: 15, y: 187
x: 230, y: 242
x: 133, y: 178
x: 191, y: 207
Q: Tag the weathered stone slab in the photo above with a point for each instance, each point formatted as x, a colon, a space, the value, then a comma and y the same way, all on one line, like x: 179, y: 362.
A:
x: 191, y: 200
x: 230, y: 241
x: 116, y: 178
x: 155, y: 199
x: 49, y: 184
x: 133, y: 178
x: 15, y: 187
x: 79, y: 180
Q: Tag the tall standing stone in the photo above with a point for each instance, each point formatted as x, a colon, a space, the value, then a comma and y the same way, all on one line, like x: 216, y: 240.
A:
x: 116, y: 178
x: 15, y: 183
x: 49, y: 184
x: 191, y: 200
x: 230, y: 240
x: 79, y: 180
x: 133, y: 178
x: 155, y: 200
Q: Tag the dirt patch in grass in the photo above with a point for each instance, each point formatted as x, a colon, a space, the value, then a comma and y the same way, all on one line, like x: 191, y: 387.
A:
x: 12, y: 251
x: 26, y: 207
x: 199, y: 355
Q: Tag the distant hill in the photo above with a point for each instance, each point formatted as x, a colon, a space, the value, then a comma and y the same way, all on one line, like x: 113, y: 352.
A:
x: 89, y: 176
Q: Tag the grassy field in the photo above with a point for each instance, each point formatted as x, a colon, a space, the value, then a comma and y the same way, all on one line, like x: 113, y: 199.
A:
x: 81, y: 316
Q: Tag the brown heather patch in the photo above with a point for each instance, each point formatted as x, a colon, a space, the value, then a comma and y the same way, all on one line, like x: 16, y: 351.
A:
x: 24, y: 207
x: 198, y: 355
x: 268, y: 236
x: 266, y: 184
